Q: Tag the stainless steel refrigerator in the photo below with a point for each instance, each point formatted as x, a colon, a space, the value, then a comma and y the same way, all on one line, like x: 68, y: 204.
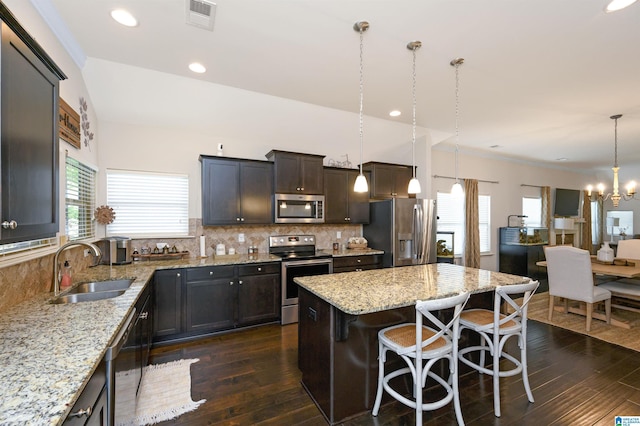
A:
x: 405, y: 228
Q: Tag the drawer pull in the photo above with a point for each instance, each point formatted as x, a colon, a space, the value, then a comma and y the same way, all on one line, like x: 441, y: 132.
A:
x: 210, y: 273
x: 259, y: 269
x: 81, y: 413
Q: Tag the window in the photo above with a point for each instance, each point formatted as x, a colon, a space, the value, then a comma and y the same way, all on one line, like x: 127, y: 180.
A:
x: 451, y: 218
x: 148, y: 204
x: 532, y: 208
x: 79, y: 199
x: 595, y: 223
x: 623, y: 224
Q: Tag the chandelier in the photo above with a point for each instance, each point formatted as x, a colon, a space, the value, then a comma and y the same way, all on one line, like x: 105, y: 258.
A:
x: 615, y: 196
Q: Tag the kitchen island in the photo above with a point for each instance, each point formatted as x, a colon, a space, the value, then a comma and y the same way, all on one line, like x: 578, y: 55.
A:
x: 341, y: 314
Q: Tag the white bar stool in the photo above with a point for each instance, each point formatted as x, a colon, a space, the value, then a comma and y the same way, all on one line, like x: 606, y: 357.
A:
x: 416, y: 343
x: 495, y: 329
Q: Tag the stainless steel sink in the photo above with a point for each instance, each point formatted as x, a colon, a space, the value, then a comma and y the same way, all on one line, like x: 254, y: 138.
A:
x: 101, y: 286
x: 86, y: 297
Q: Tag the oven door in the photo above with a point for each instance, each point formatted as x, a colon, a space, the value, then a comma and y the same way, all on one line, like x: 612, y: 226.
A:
x: 299, y: 268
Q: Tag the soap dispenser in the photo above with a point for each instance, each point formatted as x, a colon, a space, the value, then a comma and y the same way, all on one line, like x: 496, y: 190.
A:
x: 65, y: 281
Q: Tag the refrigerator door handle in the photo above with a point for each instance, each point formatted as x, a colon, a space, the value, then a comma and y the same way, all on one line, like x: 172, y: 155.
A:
x: 418, y: 223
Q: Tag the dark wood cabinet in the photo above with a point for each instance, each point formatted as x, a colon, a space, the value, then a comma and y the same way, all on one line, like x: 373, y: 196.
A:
x: 91, y: 406
x: 236, y: 191
x: 296, y: 173
x: 167, y: 312
x: 209, y: 300
x: 258, y: 293
x: 194, y: 302
x: 28, y: 136
x: 357, y: 263
x: 342, y: 204
x: 388, y: 180
x: 520, y: 259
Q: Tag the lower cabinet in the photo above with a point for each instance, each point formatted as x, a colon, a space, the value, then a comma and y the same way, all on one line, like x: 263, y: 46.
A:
x: 357, y: 263
x: 91, y: 406
x: 192, y: 302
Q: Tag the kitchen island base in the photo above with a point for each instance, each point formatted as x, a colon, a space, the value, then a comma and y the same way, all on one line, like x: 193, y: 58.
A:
x: 338, y: 353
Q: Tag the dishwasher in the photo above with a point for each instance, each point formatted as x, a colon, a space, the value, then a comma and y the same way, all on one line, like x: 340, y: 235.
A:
x: 122, y: 376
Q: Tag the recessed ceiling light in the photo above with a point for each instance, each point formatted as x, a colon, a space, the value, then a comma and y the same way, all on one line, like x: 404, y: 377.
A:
x: 615, y: 5
x: 123, y: 17
x: 197, y: 67
x: 495, y: 146
x: 562, y: 159
x: 395, y: 113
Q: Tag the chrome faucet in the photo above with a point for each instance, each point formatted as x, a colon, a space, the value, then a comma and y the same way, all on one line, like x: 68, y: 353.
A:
x: 56, y: 266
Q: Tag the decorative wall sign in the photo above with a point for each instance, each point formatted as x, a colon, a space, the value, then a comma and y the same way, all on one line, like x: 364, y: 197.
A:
x: 86, y: 125
x: 69, y: 124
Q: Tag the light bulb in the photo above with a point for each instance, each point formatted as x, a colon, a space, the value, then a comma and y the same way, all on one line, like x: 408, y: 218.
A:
x: 361, y: 184
x: 456, y: 190
x: 414, y: 186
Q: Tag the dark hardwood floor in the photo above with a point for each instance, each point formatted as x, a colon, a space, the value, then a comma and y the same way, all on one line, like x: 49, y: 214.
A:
x: 250, y: 377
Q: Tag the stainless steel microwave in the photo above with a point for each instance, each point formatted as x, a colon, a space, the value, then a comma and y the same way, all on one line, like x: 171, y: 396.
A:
x: 298, y: 208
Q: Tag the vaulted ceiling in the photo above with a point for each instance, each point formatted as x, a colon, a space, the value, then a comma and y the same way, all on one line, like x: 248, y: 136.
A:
x: 539, y: 82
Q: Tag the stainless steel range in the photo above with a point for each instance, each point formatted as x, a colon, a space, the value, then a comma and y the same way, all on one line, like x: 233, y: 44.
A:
x: 299, y: 258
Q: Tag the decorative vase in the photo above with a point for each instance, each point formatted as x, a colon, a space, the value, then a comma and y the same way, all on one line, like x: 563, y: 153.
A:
x: 605, y: 254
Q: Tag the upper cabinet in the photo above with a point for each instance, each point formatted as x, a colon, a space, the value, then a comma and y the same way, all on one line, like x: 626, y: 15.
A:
x: 342, y: 204
x: 388, y: 180
x: 236, y: 191
x: 29, y: 83
x: 296, y: 173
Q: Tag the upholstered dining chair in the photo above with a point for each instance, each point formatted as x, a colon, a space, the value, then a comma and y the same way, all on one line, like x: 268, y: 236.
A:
x: 416, y: 343
x: 628, y: 249
x: 570, y: 277
x: 495, y: 328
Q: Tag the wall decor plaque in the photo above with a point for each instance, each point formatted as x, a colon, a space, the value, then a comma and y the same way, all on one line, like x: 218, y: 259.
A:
x: 69, y: 124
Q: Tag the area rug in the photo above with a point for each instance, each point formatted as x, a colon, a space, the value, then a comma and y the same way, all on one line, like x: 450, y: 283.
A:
x: 629, y: 338
x: 165, y: 393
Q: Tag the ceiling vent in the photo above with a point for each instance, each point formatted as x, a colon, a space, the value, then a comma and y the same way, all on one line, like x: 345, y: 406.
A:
x: 201, y: 13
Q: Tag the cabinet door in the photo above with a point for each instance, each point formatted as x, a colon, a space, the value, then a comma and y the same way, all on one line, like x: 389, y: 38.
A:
x: 220, y: 192
x: 256, y: 189
x: 210, y: 299
x: 29, y: 139
x: 167, y: 320
x: 336, y: 196
x: 287, y: 173
x: 401, y: 177
x: 258, y: 298
x: 312, y: 175
x: 358, y: 207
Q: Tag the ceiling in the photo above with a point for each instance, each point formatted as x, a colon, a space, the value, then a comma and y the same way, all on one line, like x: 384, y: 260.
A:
x: 539, y: 82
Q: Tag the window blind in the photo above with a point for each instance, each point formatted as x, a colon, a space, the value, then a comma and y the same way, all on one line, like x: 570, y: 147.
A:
x: 148, y: 204
x: 451, y: 216
x: 79, y: 199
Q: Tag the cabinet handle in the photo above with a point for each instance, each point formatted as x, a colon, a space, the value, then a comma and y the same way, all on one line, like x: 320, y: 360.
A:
x: 12, y: 224
x: 302, y: 188
x: 230, y: 282
x: 81, y: 413
x: 358, y: 260
x: 240, y: 282
x: 237, y: 219
x: 210, y: 273
x: 144, y: 315
x: 358, y: 269
x: 242, y: 219
x: 259, y: 269
x: 178, y: 275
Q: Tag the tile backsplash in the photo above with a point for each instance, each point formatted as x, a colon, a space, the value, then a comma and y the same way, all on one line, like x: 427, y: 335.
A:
x: 24, y: 280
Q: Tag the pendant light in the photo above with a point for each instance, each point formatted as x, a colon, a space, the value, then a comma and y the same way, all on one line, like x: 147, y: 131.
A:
x: 456, y: 189
x: 414, y: 183
x: 361, y: 184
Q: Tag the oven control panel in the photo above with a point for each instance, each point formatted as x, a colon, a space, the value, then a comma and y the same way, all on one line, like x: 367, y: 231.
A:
x: 292, y: 240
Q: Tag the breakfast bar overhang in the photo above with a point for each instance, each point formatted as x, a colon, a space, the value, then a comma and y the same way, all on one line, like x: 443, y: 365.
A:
x: 341, y: 314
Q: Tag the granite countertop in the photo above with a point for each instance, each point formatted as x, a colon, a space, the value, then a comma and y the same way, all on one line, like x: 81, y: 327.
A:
x: 48, y: 352
x: 377, y: 290
x: 353, y: 252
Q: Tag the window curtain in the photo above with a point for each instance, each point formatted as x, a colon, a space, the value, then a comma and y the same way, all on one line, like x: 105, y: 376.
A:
x: 586, y: 237
x: 472, y: 224
x: 545, y: 194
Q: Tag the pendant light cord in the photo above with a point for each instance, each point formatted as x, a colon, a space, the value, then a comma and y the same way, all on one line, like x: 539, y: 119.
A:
x: 457, y: 65
x: 413, y: 93
x: 361, y: 95
x: 615, y: 151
